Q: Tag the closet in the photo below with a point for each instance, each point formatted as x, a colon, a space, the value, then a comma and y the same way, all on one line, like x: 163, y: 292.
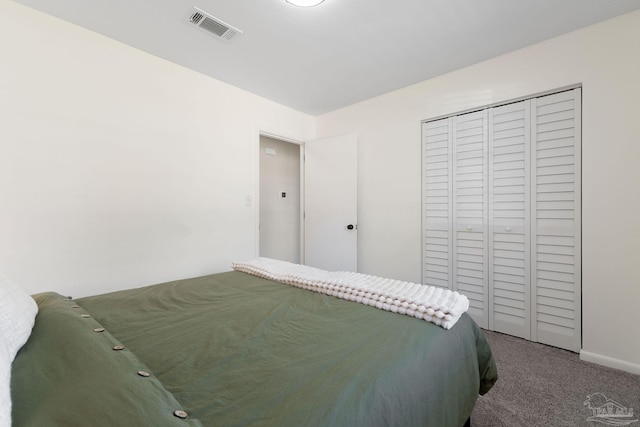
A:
x: 501, y: 215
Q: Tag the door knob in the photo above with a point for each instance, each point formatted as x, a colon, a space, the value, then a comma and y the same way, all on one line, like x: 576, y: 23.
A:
x: 350, y: 227
x: 468, y: 227
x: 507, y: 229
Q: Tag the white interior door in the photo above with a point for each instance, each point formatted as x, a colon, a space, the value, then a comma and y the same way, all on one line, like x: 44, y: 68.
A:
x: 556, y: 229
x: 470, y: 213
x: 331, y: 203
x: 437, y: 178
x: 509, y: 222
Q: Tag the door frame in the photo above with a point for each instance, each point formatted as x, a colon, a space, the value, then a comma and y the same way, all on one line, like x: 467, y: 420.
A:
x: 257, y: 189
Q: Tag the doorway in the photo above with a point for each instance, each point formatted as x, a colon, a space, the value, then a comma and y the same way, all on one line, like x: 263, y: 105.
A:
x: 280, y: 200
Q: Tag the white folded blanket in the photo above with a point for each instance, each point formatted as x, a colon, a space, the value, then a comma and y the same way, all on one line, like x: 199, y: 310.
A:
x: 437, y: 305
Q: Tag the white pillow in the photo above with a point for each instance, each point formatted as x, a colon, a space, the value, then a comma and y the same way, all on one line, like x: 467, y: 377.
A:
x: 5, y: 386
x: 17, y: 316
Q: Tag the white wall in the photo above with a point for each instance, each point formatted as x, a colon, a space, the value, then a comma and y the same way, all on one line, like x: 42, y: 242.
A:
x: 604, y: 58
x: 117, y: 168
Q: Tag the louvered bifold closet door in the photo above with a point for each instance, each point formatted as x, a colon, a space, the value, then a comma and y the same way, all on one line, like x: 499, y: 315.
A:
x: 470, y: 212
x: 556, y: 269
x: 436, y: 199
x: 509, y: 222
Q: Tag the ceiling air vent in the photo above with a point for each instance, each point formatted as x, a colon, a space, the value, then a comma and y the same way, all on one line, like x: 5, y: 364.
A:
x: 213, y: 25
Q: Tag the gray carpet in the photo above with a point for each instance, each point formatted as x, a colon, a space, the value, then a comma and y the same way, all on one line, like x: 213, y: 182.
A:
x: 539, y: 385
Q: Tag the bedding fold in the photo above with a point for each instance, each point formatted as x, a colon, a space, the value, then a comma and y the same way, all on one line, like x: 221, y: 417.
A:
x: 440, y: 306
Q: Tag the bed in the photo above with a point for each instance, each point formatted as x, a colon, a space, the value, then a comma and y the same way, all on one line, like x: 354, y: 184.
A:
x: 235, y: 349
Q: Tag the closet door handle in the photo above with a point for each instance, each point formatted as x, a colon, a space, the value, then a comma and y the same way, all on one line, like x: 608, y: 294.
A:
x: 507, y: 229
x: 468, y: 228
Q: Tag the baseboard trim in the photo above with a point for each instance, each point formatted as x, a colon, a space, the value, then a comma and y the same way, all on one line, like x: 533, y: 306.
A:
x: 610, y: 362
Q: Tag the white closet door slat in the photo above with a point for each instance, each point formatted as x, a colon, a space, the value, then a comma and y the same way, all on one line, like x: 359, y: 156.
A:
x: 555, y: 205
x: 436, y: 199
x: 469, y: 211
x: 509, y: 231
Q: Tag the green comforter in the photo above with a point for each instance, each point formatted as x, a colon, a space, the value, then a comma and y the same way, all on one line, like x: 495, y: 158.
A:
x: 235, y: 350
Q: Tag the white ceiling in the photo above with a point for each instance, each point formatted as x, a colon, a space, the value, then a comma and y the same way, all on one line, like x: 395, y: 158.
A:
x: 341, y: 52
